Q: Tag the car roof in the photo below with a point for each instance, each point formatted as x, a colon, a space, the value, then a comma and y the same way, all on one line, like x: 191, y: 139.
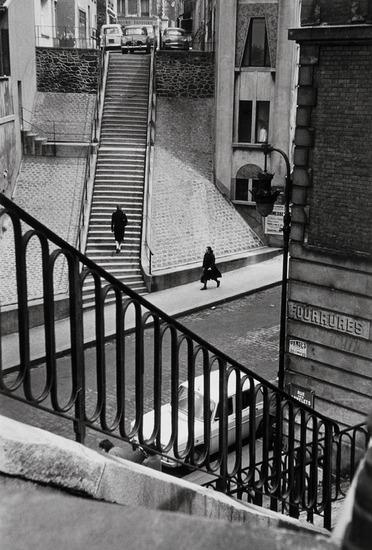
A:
x: 135, y: 26
x: 111, y: 25
x: 214, y: 384
x: 174, y: 29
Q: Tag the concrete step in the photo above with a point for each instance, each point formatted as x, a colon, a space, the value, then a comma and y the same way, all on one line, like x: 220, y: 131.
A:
x: 120, y: 142
x: 123, y: 163
x: 128, y: 182
x: 135, y: 207
x: 130, y: 130
x: 104, y: 252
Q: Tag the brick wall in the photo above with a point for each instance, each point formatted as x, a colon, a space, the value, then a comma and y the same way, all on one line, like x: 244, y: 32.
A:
x: 341, y: 198
x: 185, y: 74
x: 330, y: 268
x: 66, y: 70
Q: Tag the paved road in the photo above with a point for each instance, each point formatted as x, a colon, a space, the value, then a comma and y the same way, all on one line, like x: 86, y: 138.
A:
x: 246, y: 329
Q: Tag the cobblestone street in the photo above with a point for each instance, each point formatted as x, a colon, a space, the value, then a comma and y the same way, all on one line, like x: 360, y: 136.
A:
x: 251, y: 339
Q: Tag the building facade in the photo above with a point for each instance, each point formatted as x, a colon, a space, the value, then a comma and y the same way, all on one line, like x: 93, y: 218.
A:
x: 329, y: 340
x: 75, y: 23
x: 255, y: 89
x: 17, y: 84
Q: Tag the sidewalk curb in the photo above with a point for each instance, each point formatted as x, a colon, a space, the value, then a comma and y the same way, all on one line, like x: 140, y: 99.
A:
x: 227, y: 299
x: 109, y: 337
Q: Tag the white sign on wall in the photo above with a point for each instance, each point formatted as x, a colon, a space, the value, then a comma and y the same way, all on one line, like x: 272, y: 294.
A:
x: 298, y: 347
x: 274, y: 222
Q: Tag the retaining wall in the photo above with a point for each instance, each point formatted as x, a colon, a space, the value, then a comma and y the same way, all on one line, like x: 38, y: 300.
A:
x: 185, y: 74
x: 66, y: 70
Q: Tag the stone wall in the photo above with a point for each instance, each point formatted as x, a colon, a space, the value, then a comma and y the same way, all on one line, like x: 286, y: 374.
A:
x: 66, y: 70
x: 185, y: 74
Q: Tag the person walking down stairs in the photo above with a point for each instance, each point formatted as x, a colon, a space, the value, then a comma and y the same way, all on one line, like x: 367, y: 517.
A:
x: 210, y: 270
x: 118, y: 222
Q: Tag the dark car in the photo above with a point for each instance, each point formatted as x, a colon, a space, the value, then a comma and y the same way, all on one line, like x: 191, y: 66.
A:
x: 175, y: 39
x: 135, y: 38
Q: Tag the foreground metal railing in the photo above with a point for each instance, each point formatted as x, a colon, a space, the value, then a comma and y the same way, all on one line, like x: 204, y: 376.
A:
x: 165, y: 387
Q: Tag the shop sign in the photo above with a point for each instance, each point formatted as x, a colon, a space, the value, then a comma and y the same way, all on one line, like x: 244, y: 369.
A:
x: 302, y: 395
x: 329, y: 319
x: 298, y: 347
x: 274, y: 222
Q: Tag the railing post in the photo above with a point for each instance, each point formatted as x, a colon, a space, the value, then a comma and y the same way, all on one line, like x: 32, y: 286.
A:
x: 327, y: 475
x: 221, y: 483
x: 77, y: 348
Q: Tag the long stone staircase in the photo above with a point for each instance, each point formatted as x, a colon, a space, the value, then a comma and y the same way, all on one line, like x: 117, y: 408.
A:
x: 120, y: 169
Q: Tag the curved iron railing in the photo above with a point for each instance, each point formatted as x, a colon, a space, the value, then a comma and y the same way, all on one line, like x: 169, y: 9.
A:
x: 177, y: 394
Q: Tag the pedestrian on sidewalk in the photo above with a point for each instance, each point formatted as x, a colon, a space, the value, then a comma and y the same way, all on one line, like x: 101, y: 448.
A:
x: 118, y: 222
x: 210, y: 270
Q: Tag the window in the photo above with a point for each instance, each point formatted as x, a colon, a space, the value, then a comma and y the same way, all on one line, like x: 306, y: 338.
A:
x: 82, y: 24
x: 132, y: 7
x: 245, y: 122
x: 4, y: 53
x: 244, y: 188
x: 253, y: 121
x: 145, y: 7
x: 262, y: 121
x: 246, y: 180
x: 256, y: 51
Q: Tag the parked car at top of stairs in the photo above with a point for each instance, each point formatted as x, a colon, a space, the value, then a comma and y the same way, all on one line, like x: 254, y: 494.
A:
x: 175, y: 38
x: 135, y: 38
x: 110, y: 37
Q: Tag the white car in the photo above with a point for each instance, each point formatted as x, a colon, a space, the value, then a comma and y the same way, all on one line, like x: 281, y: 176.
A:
x: 110, y: 37
x: 215, y: 411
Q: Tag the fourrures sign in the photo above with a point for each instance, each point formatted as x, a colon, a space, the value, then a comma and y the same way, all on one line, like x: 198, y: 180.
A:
x: 329, y: 319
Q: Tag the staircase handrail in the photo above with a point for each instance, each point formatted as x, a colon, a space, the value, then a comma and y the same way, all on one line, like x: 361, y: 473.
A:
x: 91, y: 157
x: 103, y: 63
x: 50, y: 136
x: 277, y: 414
x: 146, y: 251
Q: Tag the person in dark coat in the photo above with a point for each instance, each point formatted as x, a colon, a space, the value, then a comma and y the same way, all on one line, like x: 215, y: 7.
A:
x: 118, y: 222
x: 210, y: 271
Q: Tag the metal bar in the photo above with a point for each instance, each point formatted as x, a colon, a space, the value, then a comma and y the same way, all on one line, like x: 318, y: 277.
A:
x: 77, y: 347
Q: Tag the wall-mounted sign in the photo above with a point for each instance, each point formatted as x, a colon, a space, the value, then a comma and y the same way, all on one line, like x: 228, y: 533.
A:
x: 298, y: 347
x: 303, y: 395
x: 329, y: 319
x: 274, y: 222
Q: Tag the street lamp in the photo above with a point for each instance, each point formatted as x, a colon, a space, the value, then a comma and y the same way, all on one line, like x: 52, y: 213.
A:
x: 265, y: 198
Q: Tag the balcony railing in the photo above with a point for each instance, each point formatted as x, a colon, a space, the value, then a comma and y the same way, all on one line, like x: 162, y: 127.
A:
x: 65, y: 37
x: 255, y: 442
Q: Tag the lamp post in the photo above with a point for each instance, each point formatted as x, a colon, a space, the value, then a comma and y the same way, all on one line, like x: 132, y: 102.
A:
x: 265, y: 198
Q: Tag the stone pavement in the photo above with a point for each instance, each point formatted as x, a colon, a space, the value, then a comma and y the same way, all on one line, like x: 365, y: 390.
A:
x: 188, y: 212
x: 173, y: 301
x: 49, y: 189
